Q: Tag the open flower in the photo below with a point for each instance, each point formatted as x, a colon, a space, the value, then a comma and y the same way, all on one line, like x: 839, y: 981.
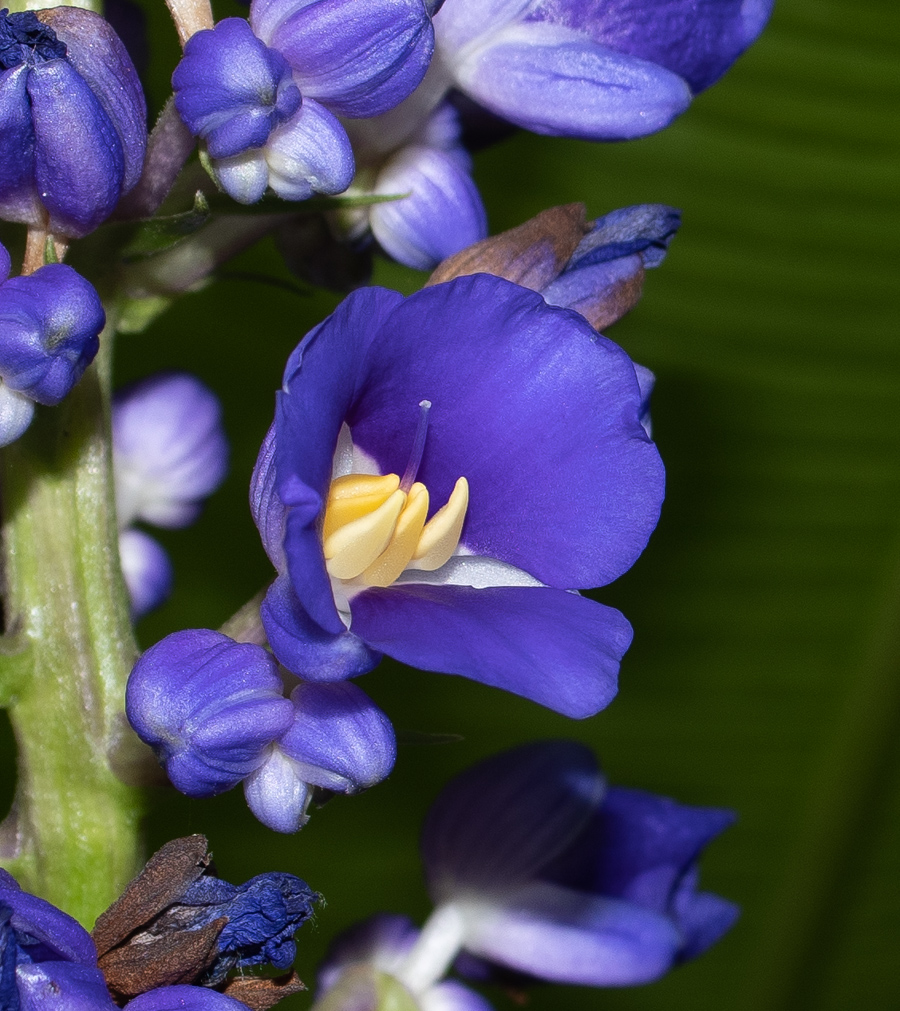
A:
x: 443, y: 470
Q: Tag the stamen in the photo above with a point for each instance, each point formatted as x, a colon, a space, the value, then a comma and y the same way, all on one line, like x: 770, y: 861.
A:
x: 394, y: 559
x: 415, y: 457
x: 355, y: 495
x: 353, y: 548
x: 441, y: 534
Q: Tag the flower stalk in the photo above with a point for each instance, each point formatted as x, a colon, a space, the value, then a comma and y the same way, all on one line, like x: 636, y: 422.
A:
x: 72, y: 834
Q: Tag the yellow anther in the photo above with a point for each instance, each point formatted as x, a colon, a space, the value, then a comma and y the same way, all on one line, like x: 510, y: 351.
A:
x: 394, y: 559
x: 355, y: 495
x: 441, y: 534
x: 353, y: 547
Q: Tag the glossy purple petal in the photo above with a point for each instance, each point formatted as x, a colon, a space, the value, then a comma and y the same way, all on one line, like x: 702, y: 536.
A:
x: 5, y: 263
x: 570, y: 408
x: 309, y: 154
x: 697, y: 39
x: 340, y: 739
x: 304, y: 647
x: 441, y: 214
x: 565, y: 936
x: 555, y: 81
x: 494, y: 825
x: 208, y: 706
x: 358, y: 59
x: 45, y: 933
x: 319, y: 386
x: 184, y: 998
x: 97, y: 53
x: 555, y: 648
x: 648, y: 844
x: 169, y: 449
x: 62, y: 986
x: 267, y: 509
x: 231, y: 89
x: 147, y: 571
x: 49, y: 327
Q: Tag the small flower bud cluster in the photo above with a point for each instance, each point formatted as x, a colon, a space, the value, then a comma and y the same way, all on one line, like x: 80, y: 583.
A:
x: 215, y: 712
x: 169, y: 453
x: 50, y: 323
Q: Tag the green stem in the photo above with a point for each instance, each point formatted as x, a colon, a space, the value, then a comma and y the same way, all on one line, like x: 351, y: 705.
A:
x: 73, y: 827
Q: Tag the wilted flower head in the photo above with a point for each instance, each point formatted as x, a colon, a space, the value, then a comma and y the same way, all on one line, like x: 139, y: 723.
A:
x: 74, y: 119
x: 50, y: 323
x: 442, y: 471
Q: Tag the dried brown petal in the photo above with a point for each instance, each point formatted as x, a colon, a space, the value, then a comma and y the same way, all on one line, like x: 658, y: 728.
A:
x: 163, y: 881
x: 260, y: 993
x: 165, y: 960
x: 531, y: 255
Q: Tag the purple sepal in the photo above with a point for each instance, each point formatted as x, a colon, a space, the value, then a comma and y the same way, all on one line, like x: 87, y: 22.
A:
x: 440, y: 214
x: 208, y: 706
x: 146, y: 569
x: 61, y: 986
x: 49, y: 331
x: 556, y: 81
x: 231, y: 89
x: 339, y: 739
x: 696, y: 40
x: 184, y: 998
x: 556, y: 648
x: 170, y: 450
x: 263, y: 915
x: 497, y: 823
x: 359, y: 60
x: 266, y: 507
x: 304, y: 647
x: 644, y: 229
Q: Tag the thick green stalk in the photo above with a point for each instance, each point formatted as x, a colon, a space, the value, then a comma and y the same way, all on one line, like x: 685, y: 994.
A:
x: 72, y: 834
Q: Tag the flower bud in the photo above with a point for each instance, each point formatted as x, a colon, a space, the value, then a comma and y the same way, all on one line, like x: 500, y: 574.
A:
x: 74, y: 119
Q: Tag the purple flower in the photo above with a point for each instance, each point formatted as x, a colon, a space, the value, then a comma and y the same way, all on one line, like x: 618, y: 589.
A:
x: 184, y: 998
x: 540, y: 870
x: 441, y: 211
x: 214, y: 712
x: 265, y: 96
x: 47, y: 959
x: 169, y: 453
x: 443, y: 470
x: 50, y: 323
x: 74, y: 119
x: 591, y: 68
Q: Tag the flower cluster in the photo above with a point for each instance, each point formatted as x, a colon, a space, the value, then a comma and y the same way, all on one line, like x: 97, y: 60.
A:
x: 541, y: 872
x: 169, y: 453
x: 50, y: 323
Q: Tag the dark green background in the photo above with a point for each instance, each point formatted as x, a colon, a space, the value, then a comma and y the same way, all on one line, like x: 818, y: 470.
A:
x: 764, y: 673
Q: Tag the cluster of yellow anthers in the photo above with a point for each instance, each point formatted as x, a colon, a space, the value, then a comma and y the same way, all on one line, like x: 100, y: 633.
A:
x: 374, y: 529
